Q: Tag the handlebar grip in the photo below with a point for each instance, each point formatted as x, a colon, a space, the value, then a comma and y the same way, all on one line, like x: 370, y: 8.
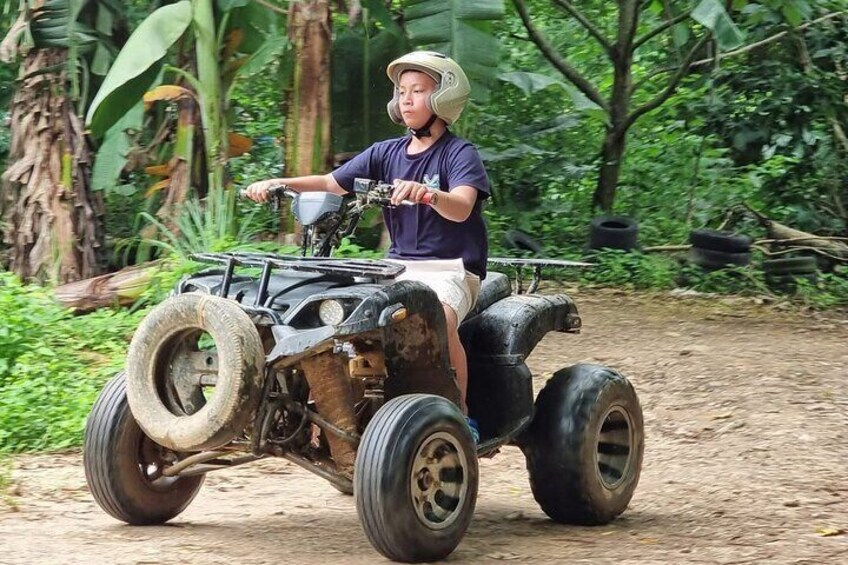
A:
x: 427, y: 198
x: 274, y: 191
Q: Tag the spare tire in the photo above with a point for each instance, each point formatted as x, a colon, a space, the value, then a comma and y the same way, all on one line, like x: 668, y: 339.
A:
x: 613, y: 232
x: 720, y: 241
x: 713, y: 260
x: 790, y: 265
x: 168, y: 368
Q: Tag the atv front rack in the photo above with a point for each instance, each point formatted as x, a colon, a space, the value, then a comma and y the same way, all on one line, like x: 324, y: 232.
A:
x: 372, y: 269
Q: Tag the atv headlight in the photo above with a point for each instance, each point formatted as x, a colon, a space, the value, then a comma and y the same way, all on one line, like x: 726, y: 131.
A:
x: 331, y: 312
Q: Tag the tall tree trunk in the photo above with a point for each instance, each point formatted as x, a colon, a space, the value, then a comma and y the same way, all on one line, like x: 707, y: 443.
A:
x: 619, y: 106
x: 611, y: 155
x: 54, y: 223
x: 308, y: 149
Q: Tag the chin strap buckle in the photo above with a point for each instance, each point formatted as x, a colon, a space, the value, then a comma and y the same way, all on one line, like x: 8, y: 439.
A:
x: 424, y: 131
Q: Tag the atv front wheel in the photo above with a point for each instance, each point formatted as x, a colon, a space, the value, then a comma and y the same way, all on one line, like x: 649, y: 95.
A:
x: 123, y: 467
x: 415, y: 479
x: 584, y: 446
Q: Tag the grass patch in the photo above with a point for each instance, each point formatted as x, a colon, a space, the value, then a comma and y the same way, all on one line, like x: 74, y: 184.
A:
x: 7, y: 496
x: 52, y: 365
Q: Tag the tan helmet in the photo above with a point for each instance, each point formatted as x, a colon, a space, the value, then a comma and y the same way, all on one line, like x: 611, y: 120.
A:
x: 452, y: 89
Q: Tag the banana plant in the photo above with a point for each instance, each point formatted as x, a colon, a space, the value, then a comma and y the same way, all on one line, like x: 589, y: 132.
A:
x: 53, y: 221
x: 231, y: 39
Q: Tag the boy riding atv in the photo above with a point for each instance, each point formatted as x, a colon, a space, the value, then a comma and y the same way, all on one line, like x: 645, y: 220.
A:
x: 444, y: 244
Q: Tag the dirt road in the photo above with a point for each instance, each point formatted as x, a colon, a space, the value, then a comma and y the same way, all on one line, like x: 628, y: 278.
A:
x: 746, y: 461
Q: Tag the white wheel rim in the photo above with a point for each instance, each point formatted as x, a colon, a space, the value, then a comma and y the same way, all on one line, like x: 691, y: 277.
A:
x: 614, y: 447
x: 439, y: 480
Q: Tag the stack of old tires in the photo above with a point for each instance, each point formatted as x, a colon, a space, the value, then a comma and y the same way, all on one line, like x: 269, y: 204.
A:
x: 613, y: 232
x: 713, y: 250
x: 783, y: 274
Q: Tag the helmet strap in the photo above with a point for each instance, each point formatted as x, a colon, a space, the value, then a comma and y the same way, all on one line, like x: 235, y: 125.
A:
x: 424, y: 131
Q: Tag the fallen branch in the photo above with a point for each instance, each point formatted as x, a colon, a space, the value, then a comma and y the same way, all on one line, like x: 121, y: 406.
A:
x: 666, y: 248
x: 784, y: 235
x: 760, y: 245
x: 121, y: 288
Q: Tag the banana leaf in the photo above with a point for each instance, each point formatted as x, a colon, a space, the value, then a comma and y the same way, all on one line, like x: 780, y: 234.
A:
x: 361, y: 89
x: 112, y: 155
x: 137, y: 65
x: 461, y: 30
x: 712, y: 15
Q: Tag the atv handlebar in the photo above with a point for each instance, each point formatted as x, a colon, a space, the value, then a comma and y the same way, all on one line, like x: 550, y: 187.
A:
x: 370, y: 191
x: 325, y: 231
x: 381, y: 193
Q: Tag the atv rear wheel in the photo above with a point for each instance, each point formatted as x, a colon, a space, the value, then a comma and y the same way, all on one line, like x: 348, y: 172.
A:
x: 415, y: 480
x: 123, y: 467
x: 584, y: 446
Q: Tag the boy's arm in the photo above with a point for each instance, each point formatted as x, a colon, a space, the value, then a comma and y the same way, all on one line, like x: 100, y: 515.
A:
x: 455, y: 205
x: 258, y: 191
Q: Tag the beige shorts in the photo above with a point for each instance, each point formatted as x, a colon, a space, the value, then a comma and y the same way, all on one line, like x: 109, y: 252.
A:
x: 454, y: 286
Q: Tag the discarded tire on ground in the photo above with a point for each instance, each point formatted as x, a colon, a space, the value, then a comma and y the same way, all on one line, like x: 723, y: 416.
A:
x: 716, y: 240
x: 712, y: 260
x: 171, y: 368
x: 613, y: 232
x: 520, y: 240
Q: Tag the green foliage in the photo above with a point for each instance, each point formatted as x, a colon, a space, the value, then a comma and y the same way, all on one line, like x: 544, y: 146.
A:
x: 350, y: 249
x: 737, y: 280
x: 461, y: 30
x: 614, y: 267
x: 360, y: 87
x: 829, y: 292
x: 54, y: 365
x: 208, y: 224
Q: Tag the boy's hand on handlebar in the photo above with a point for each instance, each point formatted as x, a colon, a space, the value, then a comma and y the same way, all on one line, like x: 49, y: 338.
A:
x: 260, y: 191
x: 409, y: 191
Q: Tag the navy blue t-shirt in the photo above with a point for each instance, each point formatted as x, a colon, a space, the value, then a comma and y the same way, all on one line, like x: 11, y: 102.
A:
x: 419, y: 232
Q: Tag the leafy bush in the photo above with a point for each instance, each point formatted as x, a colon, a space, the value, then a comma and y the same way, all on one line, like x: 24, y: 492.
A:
x: 614, y: 267
x: 53, y: 365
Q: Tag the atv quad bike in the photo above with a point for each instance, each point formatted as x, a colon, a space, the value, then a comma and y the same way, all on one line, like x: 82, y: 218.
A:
x: 332, y: 365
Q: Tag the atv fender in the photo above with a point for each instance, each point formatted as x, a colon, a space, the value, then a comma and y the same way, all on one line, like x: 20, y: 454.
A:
x: 416, y: 346
x: 497, y: 341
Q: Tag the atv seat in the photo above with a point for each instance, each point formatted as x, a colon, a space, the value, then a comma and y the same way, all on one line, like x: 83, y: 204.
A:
x: 496, y: 286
